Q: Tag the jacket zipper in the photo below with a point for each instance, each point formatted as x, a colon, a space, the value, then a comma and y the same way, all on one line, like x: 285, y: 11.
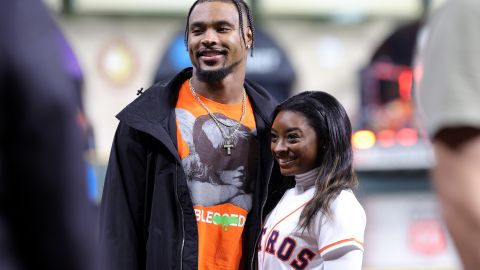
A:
x: 252, y: 263
x: 183, y: 218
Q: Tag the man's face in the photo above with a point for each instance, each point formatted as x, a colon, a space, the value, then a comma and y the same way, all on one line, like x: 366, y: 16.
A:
x: 215, y: 43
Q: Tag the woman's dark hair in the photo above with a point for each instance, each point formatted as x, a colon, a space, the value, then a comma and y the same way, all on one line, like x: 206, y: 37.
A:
x: 334, y: 154
x: 242, y: 8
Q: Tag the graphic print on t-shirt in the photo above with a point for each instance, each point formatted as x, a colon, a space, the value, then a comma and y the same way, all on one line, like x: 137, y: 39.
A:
x: 220, y: 184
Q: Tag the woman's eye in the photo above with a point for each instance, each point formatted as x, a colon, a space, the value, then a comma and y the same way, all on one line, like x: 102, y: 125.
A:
x: 292, y: 138
x: 273, y: 138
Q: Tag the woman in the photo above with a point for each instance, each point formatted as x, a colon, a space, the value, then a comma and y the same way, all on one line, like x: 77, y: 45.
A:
x: 318, y: 224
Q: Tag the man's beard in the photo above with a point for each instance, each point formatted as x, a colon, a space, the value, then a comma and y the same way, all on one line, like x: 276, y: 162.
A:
x: 213, y: 76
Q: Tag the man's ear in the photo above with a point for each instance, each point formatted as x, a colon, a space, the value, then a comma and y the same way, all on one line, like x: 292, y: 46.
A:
x: 249, y: 37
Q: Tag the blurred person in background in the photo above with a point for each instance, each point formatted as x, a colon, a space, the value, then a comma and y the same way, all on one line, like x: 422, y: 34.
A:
x: 448, y: 82
x: 319, y: 223
x: 46, y: 218
x: 187, y: 177
x: 74, y: 71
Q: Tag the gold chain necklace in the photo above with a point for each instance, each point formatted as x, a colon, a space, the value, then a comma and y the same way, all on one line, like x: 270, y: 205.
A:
x: 227, y: 138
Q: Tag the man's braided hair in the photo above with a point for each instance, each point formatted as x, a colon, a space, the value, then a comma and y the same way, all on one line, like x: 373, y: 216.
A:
x: 241, y: 6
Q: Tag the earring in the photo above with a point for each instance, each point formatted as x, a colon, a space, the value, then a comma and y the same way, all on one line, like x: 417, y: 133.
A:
x: 248, y: 46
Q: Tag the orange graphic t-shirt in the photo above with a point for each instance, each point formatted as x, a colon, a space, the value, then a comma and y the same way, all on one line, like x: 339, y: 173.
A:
x: 221, y: 185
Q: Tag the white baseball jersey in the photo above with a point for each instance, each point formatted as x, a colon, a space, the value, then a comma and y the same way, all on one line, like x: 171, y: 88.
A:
x: 284, y: 246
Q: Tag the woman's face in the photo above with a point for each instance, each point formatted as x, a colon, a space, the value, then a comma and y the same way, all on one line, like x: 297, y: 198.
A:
x: 293, y: 143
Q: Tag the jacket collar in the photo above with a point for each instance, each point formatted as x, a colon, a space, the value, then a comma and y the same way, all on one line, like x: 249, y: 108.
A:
x: 156, y: 103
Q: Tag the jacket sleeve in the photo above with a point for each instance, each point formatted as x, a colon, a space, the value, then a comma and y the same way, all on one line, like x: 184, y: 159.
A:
x: 122, y: 206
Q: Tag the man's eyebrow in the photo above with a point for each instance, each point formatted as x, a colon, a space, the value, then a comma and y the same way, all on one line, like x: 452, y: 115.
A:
x: 223, y: 22
x: 196, y: 24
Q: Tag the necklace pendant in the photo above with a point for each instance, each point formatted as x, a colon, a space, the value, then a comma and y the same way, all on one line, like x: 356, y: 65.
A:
x: 227, y: 144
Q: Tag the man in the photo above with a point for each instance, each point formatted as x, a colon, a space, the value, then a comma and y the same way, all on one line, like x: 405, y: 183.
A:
x: 187, y: 177
x: 46, y: 219
x: 449, y: 98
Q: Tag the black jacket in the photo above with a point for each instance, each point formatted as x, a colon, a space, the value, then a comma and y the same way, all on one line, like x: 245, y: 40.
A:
x: 147, y: 216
